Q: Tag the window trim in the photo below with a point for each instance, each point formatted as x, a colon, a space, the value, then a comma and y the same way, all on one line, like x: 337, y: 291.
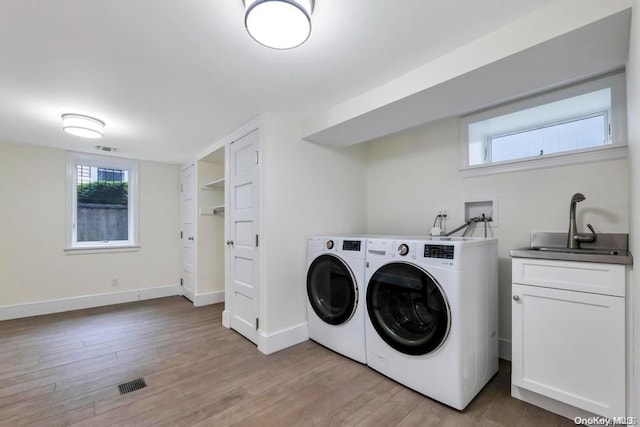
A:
x: 132, y: 243
x: 616, y: 150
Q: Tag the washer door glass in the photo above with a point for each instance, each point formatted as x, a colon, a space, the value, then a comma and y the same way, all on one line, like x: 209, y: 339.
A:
x: 408, y: 308
x: 332, y: 289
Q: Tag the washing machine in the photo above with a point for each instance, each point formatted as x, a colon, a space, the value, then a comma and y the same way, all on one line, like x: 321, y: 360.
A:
x: 432, y: 314
x: 335, y: 294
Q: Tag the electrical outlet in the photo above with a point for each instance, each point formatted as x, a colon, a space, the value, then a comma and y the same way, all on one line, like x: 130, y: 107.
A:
x: 444, y: 211
x: 115, y: 281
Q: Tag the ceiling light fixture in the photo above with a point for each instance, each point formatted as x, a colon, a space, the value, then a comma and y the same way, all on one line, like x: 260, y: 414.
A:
x: 83, y: 126
x: 278, y: 24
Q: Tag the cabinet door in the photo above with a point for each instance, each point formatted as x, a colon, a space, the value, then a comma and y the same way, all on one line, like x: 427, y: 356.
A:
x: 570, y: 346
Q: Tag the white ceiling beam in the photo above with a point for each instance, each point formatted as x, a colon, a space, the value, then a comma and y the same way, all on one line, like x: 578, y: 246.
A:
x: 563, y: 42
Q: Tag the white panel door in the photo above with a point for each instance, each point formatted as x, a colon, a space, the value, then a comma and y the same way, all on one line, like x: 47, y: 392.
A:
x: 243, y: 212
x: 188, y: 229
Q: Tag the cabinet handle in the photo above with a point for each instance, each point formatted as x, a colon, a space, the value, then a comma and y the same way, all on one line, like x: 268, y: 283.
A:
x: 516, y: 298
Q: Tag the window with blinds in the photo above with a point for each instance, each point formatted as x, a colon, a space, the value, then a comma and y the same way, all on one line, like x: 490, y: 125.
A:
x: 575, y: 123
x: 102, y: 206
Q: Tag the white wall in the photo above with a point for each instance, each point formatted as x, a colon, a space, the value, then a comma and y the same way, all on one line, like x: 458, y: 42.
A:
x: 633, y: 115
x: 33, y: 265
x: 412, y: 174
x: 306, y: 189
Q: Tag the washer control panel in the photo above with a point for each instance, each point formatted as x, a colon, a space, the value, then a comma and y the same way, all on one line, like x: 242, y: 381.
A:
x: 351, y: 245
x: 403, y: 250
x: 438, y: 251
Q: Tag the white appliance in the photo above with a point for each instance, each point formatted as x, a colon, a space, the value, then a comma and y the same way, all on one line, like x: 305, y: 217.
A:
x: 335, y: 294
x: 432, y: 314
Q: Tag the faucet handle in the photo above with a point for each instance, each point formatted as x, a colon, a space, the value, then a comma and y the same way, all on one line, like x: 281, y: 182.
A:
x: 587, y: 239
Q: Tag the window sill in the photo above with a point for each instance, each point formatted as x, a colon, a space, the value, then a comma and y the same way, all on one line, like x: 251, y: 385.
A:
x: 561, y: 159
x: 101, y: 249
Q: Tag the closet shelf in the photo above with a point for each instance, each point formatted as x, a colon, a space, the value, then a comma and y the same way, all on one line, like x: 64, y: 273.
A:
x: 218, y: 184
x: 216, y: 210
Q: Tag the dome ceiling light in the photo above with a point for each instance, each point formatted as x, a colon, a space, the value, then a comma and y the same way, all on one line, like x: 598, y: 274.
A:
x: 278, y: 24
x: 83, y: 126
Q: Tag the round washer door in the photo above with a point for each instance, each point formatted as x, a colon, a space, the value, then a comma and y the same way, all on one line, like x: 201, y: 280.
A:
x: 408, y: 308
x: 332, y: 289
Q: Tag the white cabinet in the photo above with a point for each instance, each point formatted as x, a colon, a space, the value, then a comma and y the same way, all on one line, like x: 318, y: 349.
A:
x: 569, y: 333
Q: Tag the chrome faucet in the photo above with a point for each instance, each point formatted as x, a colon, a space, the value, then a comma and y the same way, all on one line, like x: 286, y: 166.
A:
x: 575, y: 238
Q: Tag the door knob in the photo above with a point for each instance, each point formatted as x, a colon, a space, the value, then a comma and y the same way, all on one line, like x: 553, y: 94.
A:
x: 230, y: 242
x: 516, y: 298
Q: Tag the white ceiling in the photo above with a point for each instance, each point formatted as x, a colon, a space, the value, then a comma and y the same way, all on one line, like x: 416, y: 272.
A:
x: 169, y: 77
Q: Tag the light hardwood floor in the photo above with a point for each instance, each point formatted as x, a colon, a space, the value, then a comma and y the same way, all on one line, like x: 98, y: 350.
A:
x: 64, y: 369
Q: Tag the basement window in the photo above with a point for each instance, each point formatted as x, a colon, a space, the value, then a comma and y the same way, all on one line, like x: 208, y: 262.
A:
x: 581, y: 123
x: 102, y: 211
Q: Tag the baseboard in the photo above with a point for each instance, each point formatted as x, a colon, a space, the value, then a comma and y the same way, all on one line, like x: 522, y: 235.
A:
x: 225, y: 319
x: 39, y: 308
x: 208, y: 298
x: 504, y: 349
x: 271, y: 342
x: 188, y: 293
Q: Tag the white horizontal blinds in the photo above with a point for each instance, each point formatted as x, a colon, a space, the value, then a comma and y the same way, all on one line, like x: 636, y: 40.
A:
x: 102, y: 203
x: 576, y: 134
x: 83, y: 174
x: 87, y: 174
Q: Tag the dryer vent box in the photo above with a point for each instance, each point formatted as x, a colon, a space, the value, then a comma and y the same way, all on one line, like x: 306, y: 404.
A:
x: 487, y: 205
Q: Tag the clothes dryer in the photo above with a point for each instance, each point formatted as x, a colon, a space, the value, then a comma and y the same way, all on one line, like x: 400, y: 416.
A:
x: 432, y: 314
x: 335, y: 294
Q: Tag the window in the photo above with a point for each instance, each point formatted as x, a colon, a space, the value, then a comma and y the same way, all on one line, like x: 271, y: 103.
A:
x: 584, y: 122
x: 102, y: 202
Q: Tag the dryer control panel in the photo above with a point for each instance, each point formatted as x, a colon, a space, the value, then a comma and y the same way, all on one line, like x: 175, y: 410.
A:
x: 346, y: 246
x: 438, y: 251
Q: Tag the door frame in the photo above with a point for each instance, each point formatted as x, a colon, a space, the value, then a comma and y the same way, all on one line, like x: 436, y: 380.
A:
x: 253, y: 125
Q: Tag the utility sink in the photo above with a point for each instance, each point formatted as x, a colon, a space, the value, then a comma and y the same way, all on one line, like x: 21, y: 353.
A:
x: 609, y: 248
x: 580, y: 251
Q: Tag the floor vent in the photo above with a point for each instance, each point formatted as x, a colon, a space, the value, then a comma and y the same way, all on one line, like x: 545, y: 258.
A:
x: 132, y: 386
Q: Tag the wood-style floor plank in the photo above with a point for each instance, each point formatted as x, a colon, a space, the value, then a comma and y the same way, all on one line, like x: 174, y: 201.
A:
x: 63, y: 369
x: 136, y: 405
